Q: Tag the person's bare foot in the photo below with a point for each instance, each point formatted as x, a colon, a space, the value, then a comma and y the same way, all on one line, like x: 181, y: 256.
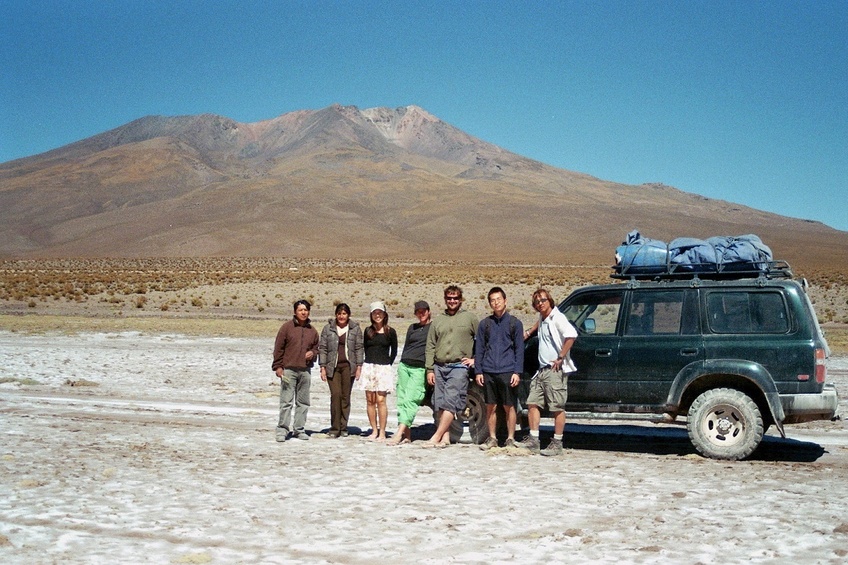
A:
x: 433, y: 442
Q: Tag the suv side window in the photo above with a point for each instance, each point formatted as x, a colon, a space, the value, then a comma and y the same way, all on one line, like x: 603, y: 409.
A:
x: 653, y: 313
x: 595, y: 312
x: 747, y: 312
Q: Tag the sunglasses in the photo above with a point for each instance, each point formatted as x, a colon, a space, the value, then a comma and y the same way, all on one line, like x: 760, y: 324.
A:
x: 539, y: 301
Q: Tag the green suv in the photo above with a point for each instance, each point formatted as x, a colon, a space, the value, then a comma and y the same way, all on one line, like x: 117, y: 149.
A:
x: 732, y: 355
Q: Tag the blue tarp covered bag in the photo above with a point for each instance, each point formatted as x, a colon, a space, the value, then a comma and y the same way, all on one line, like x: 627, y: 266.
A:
x: 691, y: 254
x: 638, y: 255
x: 641, y: 256
x: 742, y: 253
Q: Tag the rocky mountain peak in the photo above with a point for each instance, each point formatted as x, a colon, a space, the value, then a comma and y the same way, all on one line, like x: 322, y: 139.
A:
x: 399, y: 125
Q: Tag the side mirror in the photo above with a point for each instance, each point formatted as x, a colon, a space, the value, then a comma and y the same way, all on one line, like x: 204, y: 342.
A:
x: 589, y: 325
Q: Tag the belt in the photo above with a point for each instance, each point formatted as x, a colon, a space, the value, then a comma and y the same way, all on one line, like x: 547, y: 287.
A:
x: 451, y: 364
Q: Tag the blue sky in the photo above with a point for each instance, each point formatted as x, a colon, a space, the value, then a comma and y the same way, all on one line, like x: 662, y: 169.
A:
x: 738, y: 100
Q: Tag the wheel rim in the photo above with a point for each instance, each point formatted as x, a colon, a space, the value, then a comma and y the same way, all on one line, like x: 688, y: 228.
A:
x: 475, y: 411
x: 724, y: 425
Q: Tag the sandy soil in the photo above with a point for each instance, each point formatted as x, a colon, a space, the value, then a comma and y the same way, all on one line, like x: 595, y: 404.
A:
x: 156, y: 448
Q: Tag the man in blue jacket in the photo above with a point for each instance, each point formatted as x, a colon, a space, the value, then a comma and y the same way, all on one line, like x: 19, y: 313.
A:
x: 499, y: 361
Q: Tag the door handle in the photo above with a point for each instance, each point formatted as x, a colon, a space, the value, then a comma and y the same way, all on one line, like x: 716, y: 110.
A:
x: 689, y: 351
x: 603, y: 353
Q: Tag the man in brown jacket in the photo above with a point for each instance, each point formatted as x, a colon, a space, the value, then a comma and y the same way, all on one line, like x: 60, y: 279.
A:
x: 295, y: 351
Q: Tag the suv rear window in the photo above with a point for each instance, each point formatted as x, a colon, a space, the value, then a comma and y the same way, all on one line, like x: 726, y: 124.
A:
x: 747, y: 312
x: 654, y: 312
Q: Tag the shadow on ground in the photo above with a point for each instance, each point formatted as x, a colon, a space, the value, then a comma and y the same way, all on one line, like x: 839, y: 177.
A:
x: 662, y: 440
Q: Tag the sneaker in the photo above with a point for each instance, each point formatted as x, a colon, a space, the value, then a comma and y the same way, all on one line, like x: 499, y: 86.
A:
x: 490, y: 443
x: 510, y: 443
x: 300, y: 434
x: 282, y: 434
x: 531, y: 443
x: 343, y: 433
x: 554, y: 449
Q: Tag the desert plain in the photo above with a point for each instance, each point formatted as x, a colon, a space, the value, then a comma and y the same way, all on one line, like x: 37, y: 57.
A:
x: 137, y: 410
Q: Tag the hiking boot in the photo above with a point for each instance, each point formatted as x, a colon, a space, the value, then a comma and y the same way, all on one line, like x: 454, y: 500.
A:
x: 343, y: 433
x: 554, y: 449
x: 282, y: 434
x: 531, y: 443
x: 490, y: 443
x: 300, y: 434
x: 510, y: 443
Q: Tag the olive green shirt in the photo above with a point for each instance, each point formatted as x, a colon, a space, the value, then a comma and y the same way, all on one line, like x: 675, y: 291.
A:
x: 451, y: 338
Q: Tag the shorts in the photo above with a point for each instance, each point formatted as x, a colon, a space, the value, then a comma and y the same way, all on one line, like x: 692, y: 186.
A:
x: 451, y: 388
x: 496, y: 389
x: 549, y: 389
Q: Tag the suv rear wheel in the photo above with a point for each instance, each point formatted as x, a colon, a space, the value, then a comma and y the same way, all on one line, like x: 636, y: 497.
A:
x: 725, y: 423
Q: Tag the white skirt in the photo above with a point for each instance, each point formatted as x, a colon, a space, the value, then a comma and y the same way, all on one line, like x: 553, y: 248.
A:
x: 378, y: 378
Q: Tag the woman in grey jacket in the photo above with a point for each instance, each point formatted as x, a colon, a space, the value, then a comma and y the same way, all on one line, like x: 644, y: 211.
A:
x: 340, y: 354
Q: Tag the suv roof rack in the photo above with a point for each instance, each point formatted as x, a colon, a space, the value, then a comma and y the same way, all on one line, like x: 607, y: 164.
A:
x: 708, y: 271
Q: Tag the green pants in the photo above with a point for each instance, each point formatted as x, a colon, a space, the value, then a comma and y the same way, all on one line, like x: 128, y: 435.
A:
x: 410, y: 392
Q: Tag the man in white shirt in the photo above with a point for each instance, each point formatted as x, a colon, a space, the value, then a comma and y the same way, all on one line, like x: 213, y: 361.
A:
x: 549, y: 387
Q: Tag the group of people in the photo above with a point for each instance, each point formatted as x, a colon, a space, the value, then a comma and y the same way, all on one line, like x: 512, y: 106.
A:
x: 441, y: 352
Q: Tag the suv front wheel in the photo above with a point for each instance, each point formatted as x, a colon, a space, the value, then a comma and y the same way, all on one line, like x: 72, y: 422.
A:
x: 725, y: 423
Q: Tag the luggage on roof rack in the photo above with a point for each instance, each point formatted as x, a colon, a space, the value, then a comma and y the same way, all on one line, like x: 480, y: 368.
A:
x: 742, y: 256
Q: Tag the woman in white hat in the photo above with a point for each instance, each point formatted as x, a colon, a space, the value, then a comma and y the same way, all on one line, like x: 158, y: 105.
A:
x: 381, y: 347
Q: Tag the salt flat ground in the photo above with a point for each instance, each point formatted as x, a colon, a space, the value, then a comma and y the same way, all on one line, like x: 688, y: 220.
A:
x: 134, y: 448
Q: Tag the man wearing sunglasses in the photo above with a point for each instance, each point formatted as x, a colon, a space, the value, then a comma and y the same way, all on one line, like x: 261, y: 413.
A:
x: 448, y: 357
x: 549, y: 386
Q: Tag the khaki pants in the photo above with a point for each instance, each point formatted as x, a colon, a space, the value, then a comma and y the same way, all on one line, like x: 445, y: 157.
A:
x: 294, y: 393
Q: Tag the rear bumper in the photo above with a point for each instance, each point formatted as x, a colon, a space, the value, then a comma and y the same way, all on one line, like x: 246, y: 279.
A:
x: 808, y: 407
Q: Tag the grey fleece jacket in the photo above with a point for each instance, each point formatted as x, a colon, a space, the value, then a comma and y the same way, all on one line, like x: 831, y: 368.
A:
x: 328, y: 345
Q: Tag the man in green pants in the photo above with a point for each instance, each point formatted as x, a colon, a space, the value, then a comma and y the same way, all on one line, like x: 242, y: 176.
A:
x: 411, y: 374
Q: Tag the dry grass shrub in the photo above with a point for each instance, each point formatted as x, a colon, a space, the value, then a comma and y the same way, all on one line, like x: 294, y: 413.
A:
x: 136, y: 282
x: 259, y: 289
x: 69, y: 278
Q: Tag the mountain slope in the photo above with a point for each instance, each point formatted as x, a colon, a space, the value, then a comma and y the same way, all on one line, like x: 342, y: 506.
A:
x: 344, y: 182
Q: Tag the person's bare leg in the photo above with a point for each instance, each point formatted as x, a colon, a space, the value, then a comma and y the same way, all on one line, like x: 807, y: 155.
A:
x: 492, y: 419
x: 371, y: 410
x: 511, y: 419
x: 559, y: 423
x: 534, y: 416
x: 442, y: 432
x: 383, y: 414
